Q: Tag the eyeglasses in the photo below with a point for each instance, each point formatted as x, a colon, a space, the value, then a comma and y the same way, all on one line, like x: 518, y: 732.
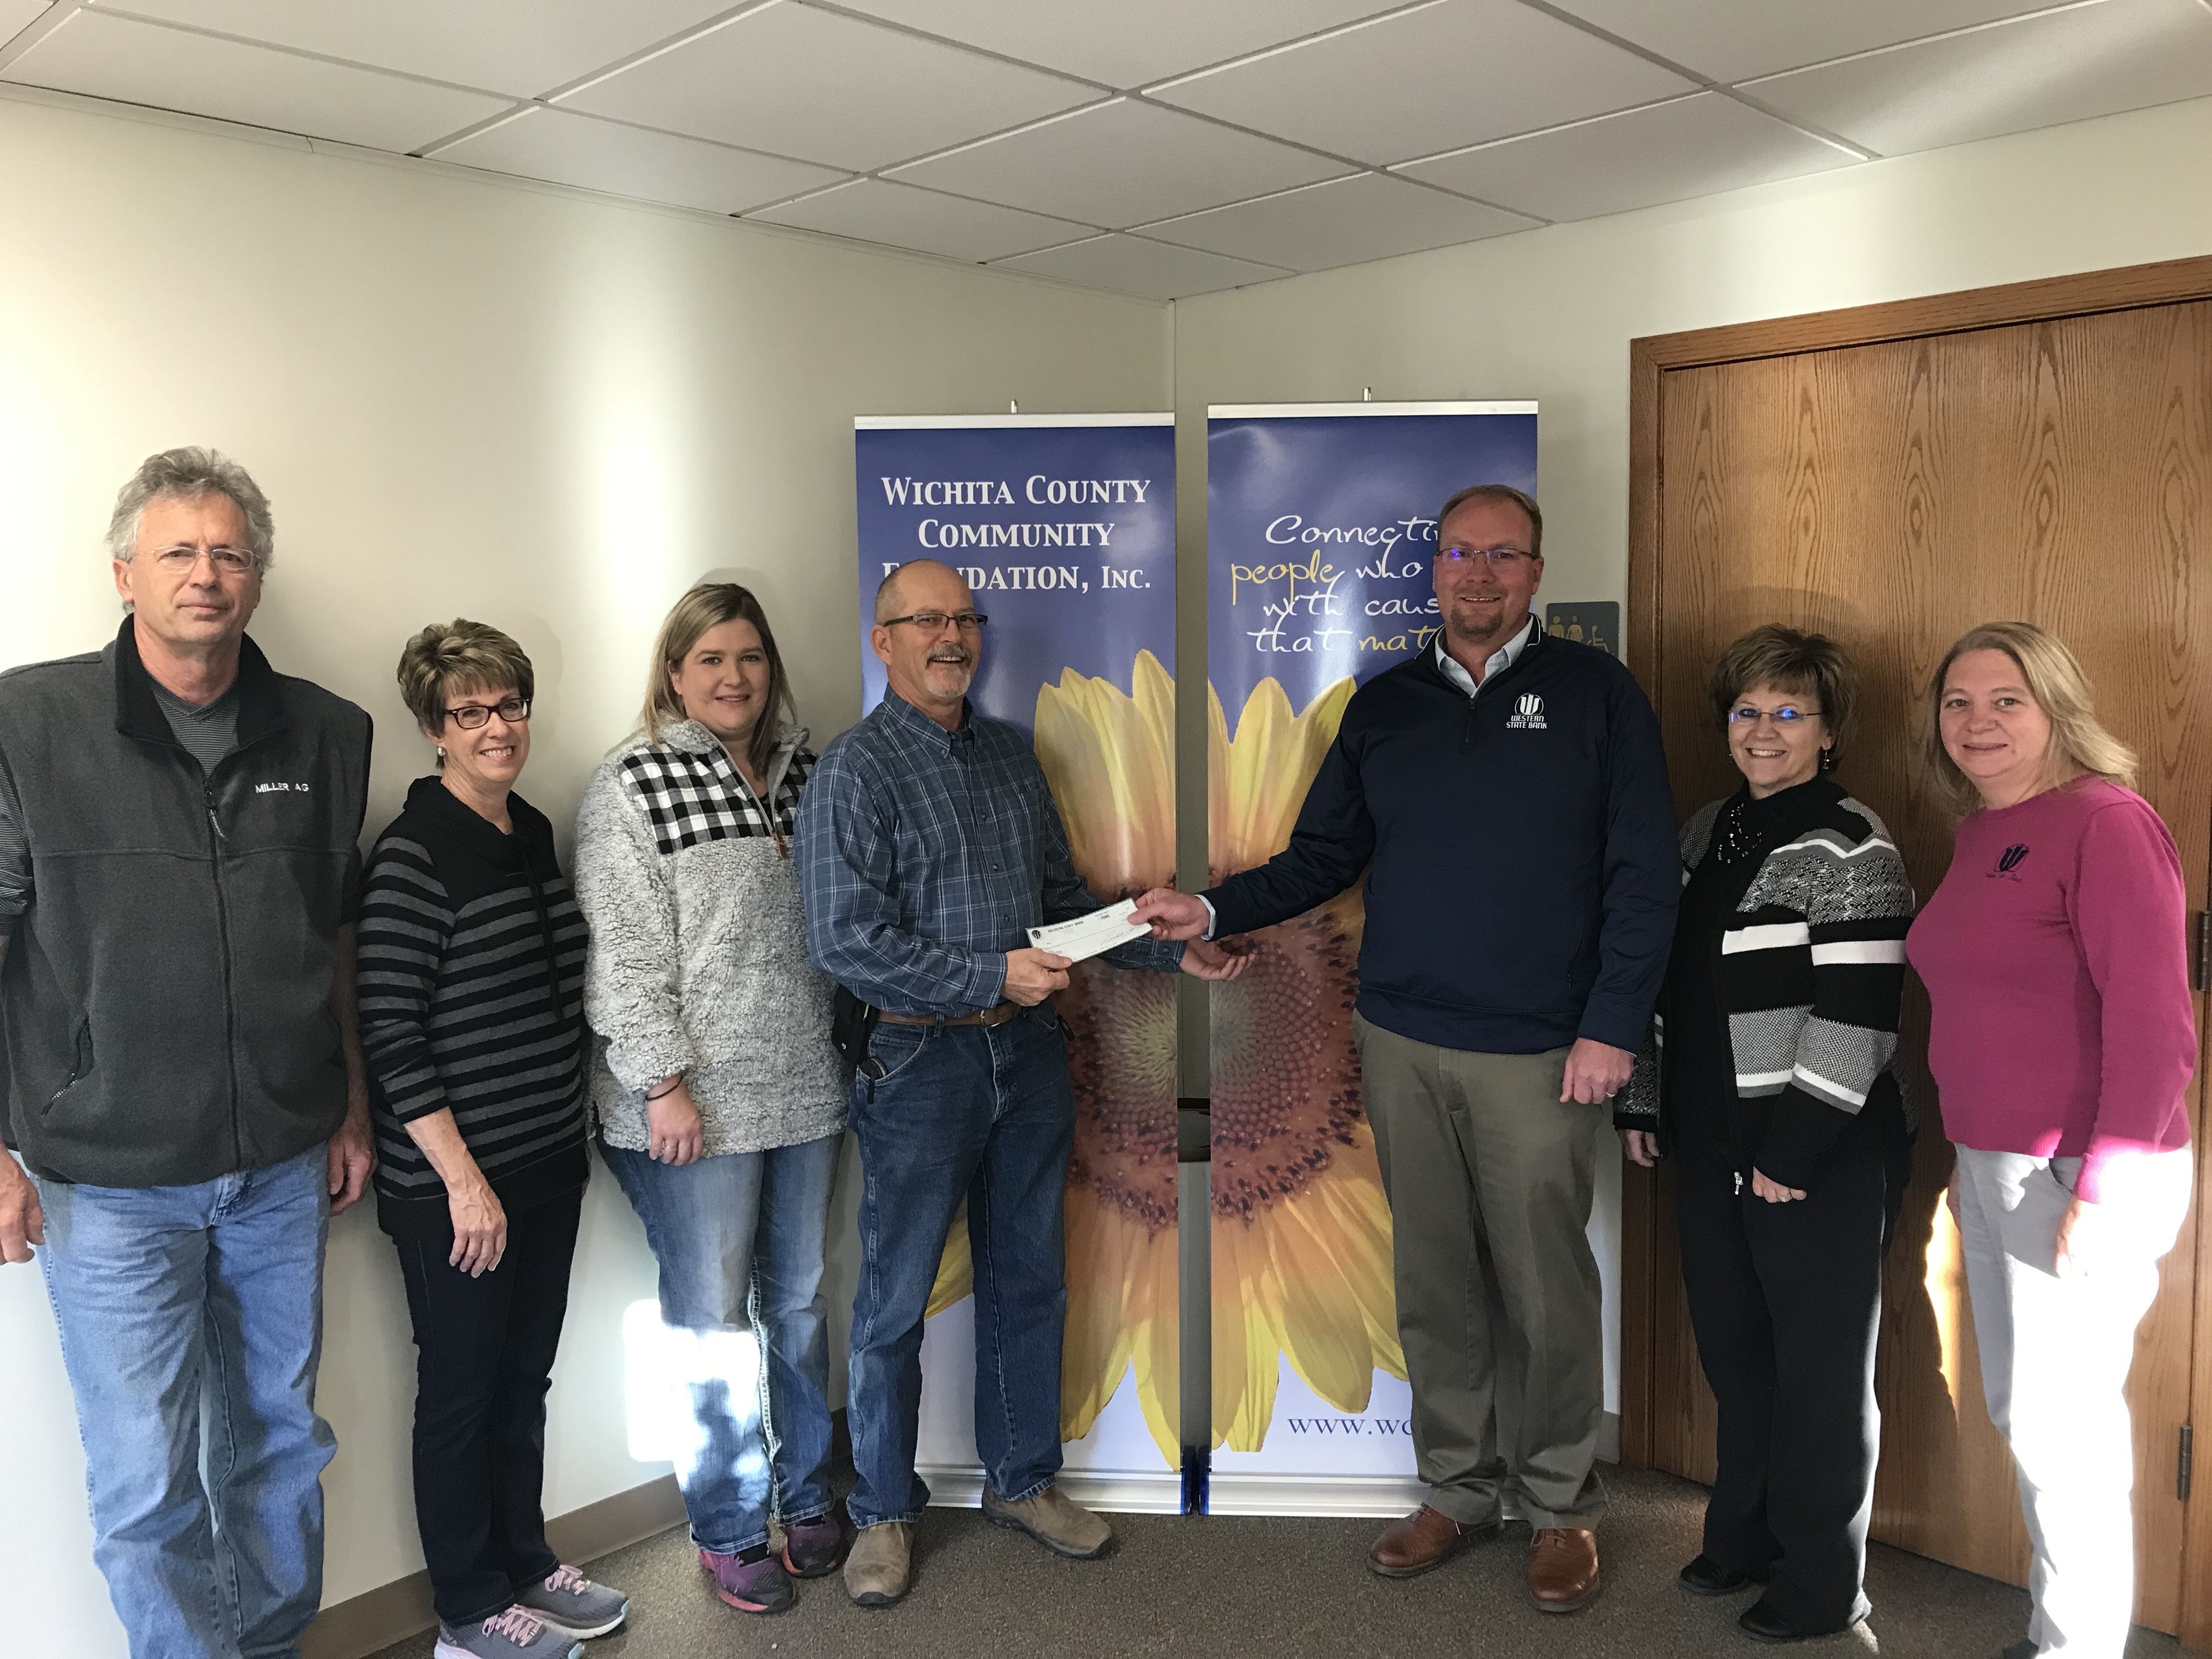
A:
x: 933, y: 621
x: 471, y: 715
x: 1785, y: 715
x: 1497, y: 558
x: 227, y: 561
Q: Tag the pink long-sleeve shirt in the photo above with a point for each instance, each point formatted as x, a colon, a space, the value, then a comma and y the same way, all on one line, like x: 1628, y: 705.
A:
x: 2056, y: 959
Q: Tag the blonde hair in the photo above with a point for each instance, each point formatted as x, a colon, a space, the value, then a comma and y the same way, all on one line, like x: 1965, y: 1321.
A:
x: 709, y: 605
x: 2079, y: 744
x: 458, y: 656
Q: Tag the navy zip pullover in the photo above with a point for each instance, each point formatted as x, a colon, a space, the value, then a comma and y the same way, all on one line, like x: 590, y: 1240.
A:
x: 1524, y: 873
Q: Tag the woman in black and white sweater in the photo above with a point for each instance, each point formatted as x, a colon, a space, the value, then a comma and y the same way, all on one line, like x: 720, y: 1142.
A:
x: 1769, y: 1081
x: 471, y: 983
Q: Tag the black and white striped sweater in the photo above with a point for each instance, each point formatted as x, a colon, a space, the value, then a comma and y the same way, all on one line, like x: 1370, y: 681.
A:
x: 471, y: 964
x: 1811, y: 972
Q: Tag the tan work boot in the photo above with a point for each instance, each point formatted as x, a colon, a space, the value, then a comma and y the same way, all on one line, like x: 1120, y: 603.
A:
x: 1055, y: 1519
x: 875, y: 1570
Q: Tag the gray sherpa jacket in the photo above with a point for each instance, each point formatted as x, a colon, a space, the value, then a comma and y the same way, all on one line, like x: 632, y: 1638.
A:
x: 698, y: 954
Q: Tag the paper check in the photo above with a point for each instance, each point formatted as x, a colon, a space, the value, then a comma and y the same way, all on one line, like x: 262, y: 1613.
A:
x: 1087, y: 936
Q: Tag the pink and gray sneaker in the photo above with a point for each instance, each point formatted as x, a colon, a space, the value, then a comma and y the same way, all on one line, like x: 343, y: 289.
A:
x: 510, y: 1635
x: 761, y: 1586
x: 568, y: 1601
x: 815, y: 1548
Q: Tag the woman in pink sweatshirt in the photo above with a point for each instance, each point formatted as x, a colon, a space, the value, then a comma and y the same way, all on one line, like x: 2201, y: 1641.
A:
x: 2062, y: 1042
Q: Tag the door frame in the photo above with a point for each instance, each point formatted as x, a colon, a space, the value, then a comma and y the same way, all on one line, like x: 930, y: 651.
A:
x: 2047, y: 298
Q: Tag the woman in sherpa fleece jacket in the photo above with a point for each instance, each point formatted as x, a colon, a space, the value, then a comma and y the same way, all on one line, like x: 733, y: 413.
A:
x: 720, y: 1104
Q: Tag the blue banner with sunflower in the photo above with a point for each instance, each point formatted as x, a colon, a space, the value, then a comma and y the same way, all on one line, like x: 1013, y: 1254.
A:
x: 1064, y: 527
x: 1321, y: 524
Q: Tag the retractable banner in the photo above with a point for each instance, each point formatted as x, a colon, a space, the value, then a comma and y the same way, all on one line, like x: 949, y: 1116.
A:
x: 1064, y: 527
x: 1321, y: 525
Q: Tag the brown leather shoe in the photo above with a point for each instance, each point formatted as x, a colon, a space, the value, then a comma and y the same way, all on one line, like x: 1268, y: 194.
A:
x: 1563, y: 1568
x: 1423, y: 1539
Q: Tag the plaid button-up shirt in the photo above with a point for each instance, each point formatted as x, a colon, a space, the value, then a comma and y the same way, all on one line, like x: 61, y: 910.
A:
x: 928, y: 854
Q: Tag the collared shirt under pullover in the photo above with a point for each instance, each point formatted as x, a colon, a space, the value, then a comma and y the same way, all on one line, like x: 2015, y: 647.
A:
x: 1524, y: 874
x: 928, y: 854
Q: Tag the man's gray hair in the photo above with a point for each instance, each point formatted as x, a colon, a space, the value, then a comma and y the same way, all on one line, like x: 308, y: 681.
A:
x: 185, y: 475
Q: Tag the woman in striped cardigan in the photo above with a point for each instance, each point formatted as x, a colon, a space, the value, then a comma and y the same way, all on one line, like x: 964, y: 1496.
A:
x: 471, y: 984
x: 1769, y: 1081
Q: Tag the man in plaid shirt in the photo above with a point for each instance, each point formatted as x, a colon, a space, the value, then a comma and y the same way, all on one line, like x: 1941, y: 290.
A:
x: 929, y: 846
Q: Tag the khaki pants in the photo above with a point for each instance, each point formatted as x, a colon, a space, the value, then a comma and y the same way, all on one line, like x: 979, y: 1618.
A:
x: 1490, y: 1180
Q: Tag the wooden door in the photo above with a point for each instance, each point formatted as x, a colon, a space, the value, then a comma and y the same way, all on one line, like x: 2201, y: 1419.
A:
x: 1893, y: 494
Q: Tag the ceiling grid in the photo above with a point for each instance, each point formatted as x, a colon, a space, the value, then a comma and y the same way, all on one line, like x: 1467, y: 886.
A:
x: 1152, y: 147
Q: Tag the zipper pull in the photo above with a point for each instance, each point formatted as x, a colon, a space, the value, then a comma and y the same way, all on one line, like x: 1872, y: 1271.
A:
x: 1739, y: 1183
x: 214, y: 823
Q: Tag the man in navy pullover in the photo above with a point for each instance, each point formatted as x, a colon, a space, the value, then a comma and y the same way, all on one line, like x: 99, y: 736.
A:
x: 1506, y: 794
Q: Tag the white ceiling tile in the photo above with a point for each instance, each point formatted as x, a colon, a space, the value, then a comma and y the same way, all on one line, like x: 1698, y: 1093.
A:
x: 1122, y: 164
x: 1448, y: 75
x: 1731, y: 40
x: 107, y: 56
x: 899, y: 215
x: 824, y: 87
x: 1366, y: 217
x: 1134, y: 266
x: 650, y: 166
x: 2036, y: 72
x: 1123, y: 43
x: 1692, y: 147
x: 16, y: 16
x: 524, y: 47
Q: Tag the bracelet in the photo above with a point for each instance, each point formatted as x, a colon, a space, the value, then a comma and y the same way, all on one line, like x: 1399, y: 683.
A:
x: 674, y: 1084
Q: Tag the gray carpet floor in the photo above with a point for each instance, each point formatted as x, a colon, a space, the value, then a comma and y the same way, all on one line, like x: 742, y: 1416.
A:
x: 1286, y: 1589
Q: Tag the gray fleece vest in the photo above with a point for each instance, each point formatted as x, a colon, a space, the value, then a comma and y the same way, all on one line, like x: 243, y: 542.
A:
x: 165, y: 1000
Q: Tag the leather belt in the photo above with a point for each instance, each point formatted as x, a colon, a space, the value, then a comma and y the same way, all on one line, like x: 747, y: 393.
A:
x: 995, y: 1016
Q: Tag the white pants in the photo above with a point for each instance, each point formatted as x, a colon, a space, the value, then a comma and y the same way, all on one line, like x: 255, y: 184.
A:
x: 2055, y: 1349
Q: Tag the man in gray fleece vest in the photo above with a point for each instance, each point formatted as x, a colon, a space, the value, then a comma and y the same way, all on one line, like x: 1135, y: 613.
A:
x: 180, y: 853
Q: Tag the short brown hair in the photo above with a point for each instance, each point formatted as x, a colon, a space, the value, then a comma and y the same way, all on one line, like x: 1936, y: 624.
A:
x: 1810, y: 665
x: 459, y: 656
x: 1494, y: 492
x: 2079, y: 742
x: 705, y: 606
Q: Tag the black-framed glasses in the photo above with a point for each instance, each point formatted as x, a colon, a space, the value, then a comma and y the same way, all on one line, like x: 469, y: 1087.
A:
x: 471, y: 715
x: 933, y: 621
x: 227, y: 560
x: 1788, y: 714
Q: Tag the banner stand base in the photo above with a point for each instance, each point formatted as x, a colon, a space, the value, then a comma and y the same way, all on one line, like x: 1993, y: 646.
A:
x: 1378, y: 1496
x: 1110, y: 1492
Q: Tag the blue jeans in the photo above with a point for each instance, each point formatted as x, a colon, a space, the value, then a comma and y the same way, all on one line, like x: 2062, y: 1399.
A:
x: 181, y: 1307
x: 738, y: 1238
x: 988, y: 1115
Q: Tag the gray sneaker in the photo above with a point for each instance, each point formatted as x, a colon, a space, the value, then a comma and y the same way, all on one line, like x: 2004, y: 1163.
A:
x: 510, y: 1635
x: 568, y: 1601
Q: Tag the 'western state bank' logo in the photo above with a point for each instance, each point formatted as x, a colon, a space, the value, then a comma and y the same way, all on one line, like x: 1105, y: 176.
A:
x: 1528, y: 713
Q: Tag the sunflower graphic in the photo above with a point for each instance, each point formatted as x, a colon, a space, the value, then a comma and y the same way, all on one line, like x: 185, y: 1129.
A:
x: 1301, y: 1228
x: 1110, y: 759
x: 1301, y: 1231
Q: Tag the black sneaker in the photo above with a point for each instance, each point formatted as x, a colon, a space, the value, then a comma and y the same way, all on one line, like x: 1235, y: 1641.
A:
x: 1706, y: 1576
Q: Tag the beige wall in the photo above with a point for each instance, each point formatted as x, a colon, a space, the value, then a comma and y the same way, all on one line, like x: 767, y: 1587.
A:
x: 544, y: 411
x: 1548, y: 314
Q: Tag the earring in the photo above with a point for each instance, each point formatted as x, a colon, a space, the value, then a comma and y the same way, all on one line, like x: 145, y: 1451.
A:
x: 441, y: 751
x: 1827, y: 760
